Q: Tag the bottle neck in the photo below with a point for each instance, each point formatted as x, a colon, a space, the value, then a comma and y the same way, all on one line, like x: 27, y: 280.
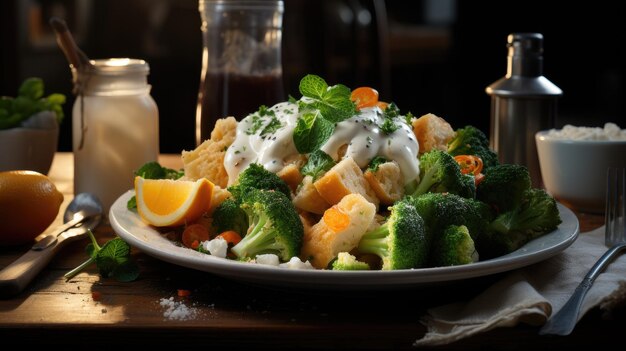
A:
x: 524, y: 66
x: 525, y: 55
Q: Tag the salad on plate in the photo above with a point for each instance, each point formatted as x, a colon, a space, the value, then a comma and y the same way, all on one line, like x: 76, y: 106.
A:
x: 338, y: 180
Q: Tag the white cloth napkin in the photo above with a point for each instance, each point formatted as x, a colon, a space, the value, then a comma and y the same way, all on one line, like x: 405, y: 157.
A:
x: 532, y: 294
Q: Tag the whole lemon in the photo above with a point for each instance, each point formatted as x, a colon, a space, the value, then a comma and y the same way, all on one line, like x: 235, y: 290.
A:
x: 29, y: 202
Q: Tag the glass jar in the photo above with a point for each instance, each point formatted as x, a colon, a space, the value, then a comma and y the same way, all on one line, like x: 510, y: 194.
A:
x: 241, y: 60
x: 115, y: 127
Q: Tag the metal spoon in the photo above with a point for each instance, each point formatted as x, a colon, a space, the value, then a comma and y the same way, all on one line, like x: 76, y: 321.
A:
x: 84, y: 212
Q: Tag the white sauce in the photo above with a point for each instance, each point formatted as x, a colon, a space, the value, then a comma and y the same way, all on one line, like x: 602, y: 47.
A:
x: 365, y: 141
x: 269, y: 150
x: 361, y: 133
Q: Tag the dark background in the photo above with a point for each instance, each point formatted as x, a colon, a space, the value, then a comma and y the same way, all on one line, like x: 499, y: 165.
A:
x: 427, y: 56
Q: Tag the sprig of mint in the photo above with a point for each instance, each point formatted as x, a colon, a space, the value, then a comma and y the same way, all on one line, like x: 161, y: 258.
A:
x: 333, y: 102
x: 112, y: 259
x: 29, y: 101
x: 318, y: 163
x: 153, y: 170
x: 311, y: 132
x: 323, y: 107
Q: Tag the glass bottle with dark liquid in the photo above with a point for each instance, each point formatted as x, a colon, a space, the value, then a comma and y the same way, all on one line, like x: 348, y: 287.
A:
x: 241, y: 60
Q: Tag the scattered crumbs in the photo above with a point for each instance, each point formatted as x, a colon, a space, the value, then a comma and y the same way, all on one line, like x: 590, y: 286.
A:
x: 78, y: 288
x: 177, y: 310
x: 104, y: 310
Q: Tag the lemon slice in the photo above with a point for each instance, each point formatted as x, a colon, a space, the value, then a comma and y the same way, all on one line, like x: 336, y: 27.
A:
x: 165, y: 202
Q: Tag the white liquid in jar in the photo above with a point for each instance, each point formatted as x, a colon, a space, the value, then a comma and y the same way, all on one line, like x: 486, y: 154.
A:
x: 121, y: 135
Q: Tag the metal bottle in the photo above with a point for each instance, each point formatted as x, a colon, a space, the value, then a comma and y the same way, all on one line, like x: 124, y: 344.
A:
x: 522, y: 103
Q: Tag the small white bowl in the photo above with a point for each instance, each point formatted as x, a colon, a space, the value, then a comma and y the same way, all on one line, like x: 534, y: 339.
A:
x: 29, y: 148
x: 574, y: 171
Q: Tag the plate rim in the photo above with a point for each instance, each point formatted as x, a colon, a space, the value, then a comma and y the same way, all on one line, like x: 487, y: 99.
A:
x: 124, y: 222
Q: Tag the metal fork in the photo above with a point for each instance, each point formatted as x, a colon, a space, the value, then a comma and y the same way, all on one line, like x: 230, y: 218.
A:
x: 565, y: 320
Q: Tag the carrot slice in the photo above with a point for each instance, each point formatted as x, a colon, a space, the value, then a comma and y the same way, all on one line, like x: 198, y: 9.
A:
x: 382, y: 105
x: 231, y: 237
x: 194, y: 234
x: 364, y: 97
x: 336, y: 219
x: 469, y: 164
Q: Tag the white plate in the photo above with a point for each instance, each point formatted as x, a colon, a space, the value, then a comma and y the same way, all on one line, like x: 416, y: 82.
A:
x: 128, y: 226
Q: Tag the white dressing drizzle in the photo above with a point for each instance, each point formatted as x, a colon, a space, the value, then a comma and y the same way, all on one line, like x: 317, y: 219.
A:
x: 361, y: 133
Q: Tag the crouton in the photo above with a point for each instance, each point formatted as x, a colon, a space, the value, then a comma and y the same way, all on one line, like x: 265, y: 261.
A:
x: 387, y: 182
x: 344, y: 178
x: 308, y: 199
x: 207, y: 160
x: 339, y: 230
x: 291, y: 175
x: 432, y: 133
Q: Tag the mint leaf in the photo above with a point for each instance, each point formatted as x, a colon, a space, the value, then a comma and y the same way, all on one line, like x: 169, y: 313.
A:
x: 112, y: 259
x: 313, y: 86
x: 112, y: 254
x: 127, y: 271
x: 311, y: 132
x: 333, y: 102
x: 319, y: 162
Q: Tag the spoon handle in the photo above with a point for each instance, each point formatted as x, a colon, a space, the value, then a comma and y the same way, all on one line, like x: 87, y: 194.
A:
x: 16, y: 276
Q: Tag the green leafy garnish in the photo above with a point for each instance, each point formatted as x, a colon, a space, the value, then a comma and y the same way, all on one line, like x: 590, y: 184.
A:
x: 30, y: 100
x: 333, y: 102
x: 322, y: 107
x: 375, y: 162
x: 390, y: 114
x: 112, y: 259
x: 311, y: 132
x: 264, y: 120
x: 319, y: 162
x: 389, y: 126
x: 153, y: 170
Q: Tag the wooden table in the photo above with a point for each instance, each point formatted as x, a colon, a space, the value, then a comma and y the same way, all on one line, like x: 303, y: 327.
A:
x: 234, y: 314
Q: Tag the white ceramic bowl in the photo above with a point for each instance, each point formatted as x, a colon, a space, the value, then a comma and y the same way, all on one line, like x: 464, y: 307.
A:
x: 574, y: 171
x: 29, y: 148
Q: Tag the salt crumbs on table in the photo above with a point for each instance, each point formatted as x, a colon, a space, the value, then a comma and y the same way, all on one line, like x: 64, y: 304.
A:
x: 177, y: 310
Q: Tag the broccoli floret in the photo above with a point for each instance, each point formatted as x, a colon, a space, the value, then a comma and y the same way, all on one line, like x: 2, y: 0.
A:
x: 347, y: 262
x: 453, y: 247
x: 440, y: 173
x: 401, y: 241
x: 229, y: 216
x: 472, y: 141
x: 257, y: 177
x: 504, y: 186
x: 536, y: 215
x: 442, y: 210
x: 274, y: 225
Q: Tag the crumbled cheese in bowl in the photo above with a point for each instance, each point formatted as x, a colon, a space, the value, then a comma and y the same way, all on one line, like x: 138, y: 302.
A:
x: 611, y: 132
